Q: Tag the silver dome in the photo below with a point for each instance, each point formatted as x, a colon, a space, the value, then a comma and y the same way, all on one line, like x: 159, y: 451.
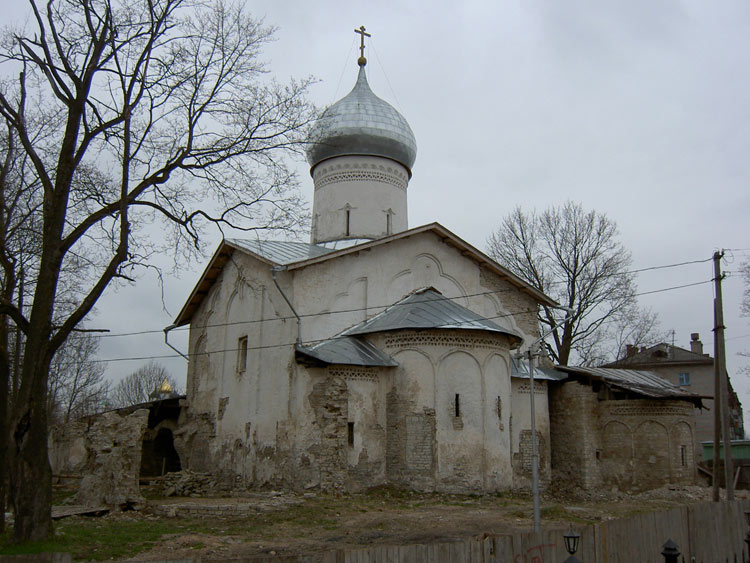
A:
x: 362, y: 124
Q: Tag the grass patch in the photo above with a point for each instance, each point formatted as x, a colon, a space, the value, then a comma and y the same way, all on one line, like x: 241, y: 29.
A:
x: 95, y: 539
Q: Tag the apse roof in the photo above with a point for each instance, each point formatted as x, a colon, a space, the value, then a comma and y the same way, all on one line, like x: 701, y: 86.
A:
x: 347, y: 351
x: 427, y: 308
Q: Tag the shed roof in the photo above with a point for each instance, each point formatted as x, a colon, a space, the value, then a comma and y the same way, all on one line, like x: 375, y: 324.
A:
x: 643, y: 383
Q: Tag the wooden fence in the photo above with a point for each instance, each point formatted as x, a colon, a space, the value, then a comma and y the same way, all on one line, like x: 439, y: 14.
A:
x: 708, y: 532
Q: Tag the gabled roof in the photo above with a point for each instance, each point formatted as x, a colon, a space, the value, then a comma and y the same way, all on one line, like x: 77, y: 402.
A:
x: 297, y: 255
x: 641, y: 382
x: 427, y: 308
x: 662, y: 354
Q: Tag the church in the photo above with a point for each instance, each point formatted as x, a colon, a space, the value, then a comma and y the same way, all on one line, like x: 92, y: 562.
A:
x: 376, y: 353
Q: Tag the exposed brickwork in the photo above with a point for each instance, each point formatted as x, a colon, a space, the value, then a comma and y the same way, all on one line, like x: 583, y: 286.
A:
x: 329, y: 401
x: 410, y: 443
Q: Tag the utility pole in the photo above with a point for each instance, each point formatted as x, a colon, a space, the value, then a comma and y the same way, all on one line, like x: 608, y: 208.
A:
x: 721, y: 388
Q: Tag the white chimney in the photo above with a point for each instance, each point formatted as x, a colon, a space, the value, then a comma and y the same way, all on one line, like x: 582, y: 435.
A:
x: 696, y: 346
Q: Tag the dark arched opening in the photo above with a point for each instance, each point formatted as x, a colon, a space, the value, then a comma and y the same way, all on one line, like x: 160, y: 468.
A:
x: 158, y: 454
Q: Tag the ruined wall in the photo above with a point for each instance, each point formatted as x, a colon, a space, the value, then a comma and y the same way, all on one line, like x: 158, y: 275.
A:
x: 628, y: 444
x: 66, y: 446
x: 113, y: 460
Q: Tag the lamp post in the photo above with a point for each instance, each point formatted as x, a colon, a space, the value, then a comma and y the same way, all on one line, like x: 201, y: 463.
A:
x: 571, y: 539
x: 534, y: 447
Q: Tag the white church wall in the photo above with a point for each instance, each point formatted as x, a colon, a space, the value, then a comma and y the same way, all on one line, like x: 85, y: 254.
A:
x: 498, y: 471
x: 460, y: 423
x: 278, y: 422
x: 364, y: 283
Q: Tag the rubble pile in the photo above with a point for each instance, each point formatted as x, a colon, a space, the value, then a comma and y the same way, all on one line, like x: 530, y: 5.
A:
x: 188, y: 483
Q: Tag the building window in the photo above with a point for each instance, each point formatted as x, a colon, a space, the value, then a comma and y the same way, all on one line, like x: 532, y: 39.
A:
x: 457, y: 405
x: 242, y: 354
x: 683, y: 456
x: 350, y: 433
x: 348, y: 221
x: 684, y: 378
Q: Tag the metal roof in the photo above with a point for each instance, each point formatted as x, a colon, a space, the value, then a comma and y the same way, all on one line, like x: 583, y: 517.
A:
x: 281, y: 252
x: 362, y: 124
x: 644, y: 383
x: 348, y: 351
x: 521, y: 370
x: 424, y: 309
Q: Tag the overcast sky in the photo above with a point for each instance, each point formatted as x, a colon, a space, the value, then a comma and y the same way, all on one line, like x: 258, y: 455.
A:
x: 637, y: 109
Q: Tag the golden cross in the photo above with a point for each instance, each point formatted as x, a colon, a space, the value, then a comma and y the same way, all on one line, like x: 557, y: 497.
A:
x: 362, y: 34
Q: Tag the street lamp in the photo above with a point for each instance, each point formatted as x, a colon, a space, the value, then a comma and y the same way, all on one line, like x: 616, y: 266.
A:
x: 670, y: 552
x: 571, y: 539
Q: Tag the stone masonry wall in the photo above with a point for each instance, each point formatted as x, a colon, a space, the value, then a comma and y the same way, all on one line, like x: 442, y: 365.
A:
x: 624, y: 444
x: 574, y: 433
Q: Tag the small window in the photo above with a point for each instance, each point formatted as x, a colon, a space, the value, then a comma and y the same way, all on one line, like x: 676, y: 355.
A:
x: 348, y: 221
x: 683, y: 456
x: 242, y: 354
x: 389, y: 222
x: 499, y: 408
x: 457, y: 405
x: 684, y: 378
x: 350, y: 433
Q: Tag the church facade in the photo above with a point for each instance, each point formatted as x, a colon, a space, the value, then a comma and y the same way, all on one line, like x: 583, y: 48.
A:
x: 375, y: 353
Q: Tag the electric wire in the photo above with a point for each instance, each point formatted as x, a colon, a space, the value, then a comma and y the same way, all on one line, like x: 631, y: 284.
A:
x: 318, y: 341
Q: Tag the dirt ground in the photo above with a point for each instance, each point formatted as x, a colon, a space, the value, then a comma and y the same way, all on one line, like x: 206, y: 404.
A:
x: 288, y: 524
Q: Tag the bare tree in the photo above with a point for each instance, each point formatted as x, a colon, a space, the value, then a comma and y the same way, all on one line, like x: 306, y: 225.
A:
x: 573, y: 256
x: 138, y: 386
x: 130, y: 113
x: 76, y: 385
x: 19, y: 242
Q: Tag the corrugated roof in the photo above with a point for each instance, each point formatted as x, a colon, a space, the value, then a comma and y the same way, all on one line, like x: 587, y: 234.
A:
x: 642, y: 382
x: 347, y: 351
x: 281, y: 252
x: 427, y: 308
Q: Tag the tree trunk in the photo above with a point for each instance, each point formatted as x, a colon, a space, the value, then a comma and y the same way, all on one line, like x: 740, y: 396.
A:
x: 31, y: 475
x: 4, y: 416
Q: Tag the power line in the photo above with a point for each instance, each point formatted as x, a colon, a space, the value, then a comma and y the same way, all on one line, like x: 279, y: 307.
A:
x: 318, y: 341
x: 375, y: 307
